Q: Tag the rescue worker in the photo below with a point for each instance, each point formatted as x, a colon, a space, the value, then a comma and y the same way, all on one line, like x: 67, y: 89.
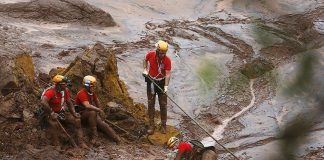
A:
x: 192, y: 150
x: 53, y: 100
x: 157, y: 67
x: 88, y: 105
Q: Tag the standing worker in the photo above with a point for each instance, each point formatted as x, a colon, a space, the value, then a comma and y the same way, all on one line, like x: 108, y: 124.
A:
x: 158, y: 71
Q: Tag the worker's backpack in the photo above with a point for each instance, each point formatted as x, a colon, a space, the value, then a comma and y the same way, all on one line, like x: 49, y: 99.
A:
x: 196, y: 144
x: 198, y: 149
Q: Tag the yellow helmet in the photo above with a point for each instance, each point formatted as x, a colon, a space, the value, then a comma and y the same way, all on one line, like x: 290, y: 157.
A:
x: 172, y: 141
x: 89, y: 81
x: 58, y: 79
x: 162, y: 46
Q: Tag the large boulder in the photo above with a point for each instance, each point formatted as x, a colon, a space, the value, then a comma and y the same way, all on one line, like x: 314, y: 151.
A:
x: 59, y: 11
x: 101, y: 63
x: 16, y: 72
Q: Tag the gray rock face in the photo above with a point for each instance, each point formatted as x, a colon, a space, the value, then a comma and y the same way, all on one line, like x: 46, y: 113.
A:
x: 59, y: 11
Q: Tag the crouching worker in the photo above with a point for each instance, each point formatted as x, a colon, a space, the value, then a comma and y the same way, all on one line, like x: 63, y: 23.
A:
x: 53, y: 99
x: 192, y: 150
x: 88, y: 105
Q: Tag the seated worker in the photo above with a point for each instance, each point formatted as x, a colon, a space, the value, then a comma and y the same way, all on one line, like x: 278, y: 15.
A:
x: 52, y: 101
x: 192, y: 150
x: 88, y: 105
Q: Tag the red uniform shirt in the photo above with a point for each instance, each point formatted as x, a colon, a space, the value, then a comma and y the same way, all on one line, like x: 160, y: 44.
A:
x: 157, y: 70
x: 55, y: 99
x: 83, y: 96
x: 184, y: 147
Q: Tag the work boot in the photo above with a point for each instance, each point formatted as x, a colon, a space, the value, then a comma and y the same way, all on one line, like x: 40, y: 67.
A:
x: 117, y: 139
x: 94, y: 137
x: 82, y: 144
x: 163, y: 129
x: 94, y: 141
x: 151, y: 129
x: 55, y: 141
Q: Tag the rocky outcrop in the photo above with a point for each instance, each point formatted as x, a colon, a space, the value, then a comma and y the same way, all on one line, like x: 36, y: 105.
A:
x: 256, y: 68
x: 101, y: 63
x: 19, y: 125
x: 112, y: 92
x: 59, y: 11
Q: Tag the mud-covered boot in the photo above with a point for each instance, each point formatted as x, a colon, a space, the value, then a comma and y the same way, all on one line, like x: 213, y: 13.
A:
x: 117, y: 139
x: 151, y: 128
x: 163, y: 128
x: 80, y: 139
x: 55, y: 141
x: 81, y: 143
x: 94, y: 137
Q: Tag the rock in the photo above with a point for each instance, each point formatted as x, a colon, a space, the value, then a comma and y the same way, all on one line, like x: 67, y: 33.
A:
x: 15, y: 72
x: 8, y: 79
x: 7, y: 107
x: 257, y: 68
x: 59, y: 11
x: 102, y: 64
x: 34, y: 130
x: 27, y: 115
x: 161, y: 139
x: 112, y: 104
x: 2, y: 119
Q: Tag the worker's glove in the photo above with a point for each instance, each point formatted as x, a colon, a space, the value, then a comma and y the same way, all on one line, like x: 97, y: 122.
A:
x: 102, y: 114
x: 145, y: 73
x: 165, y: 89
x: 53, y: 116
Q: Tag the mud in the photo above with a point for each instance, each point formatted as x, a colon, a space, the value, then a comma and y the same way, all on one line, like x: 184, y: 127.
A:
x: 58, y: 11
x: 244, y: 39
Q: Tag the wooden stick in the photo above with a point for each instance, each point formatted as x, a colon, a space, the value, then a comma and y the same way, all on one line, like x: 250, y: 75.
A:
x: 67, y: 134
x: 119, y: 128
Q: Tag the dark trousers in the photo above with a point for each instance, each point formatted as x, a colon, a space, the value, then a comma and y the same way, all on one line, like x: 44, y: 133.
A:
x: 151, y: 100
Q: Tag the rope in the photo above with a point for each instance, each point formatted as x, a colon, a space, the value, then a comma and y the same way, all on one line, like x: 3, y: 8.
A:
x: 192, y: 119
x: 120, y: 128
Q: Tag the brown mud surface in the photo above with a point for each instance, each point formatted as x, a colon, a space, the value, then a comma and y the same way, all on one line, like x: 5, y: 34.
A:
x: 22, y: 138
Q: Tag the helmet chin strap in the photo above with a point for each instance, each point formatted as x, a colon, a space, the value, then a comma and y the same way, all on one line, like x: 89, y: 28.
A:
x: 59, y: 88
x: 88, y: 91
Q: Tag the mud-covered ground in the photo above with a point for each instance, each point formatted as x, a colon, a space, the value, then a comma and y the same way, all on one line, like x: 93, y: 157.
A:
x: 249, y: 49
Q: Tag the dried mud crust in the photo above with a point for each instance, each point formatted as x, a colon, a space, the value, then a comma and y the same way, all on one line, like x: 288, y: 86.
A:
x: 59, y: 11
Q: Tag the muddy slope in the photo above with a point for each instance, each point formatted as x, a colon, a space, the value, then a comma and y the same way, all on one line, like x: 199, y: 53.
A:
x: 59, y: 11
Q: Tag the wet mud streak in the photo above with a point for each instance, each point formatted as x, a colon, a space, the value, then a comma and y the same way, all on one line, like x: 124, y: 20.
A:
x: 218, y: 131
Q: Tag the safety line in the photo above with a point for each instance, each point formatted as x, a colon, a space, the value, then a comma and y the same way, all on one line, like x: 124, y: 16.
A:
x: 192, y: 118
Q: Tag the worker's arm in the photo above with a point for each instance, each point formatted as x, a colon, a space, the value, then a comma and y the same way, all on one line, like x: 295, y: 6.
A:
x: 88, y: 106
x: 145, y: 64
x: 167, y: 77
x: 46, y: 106
x: 72, y: 109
